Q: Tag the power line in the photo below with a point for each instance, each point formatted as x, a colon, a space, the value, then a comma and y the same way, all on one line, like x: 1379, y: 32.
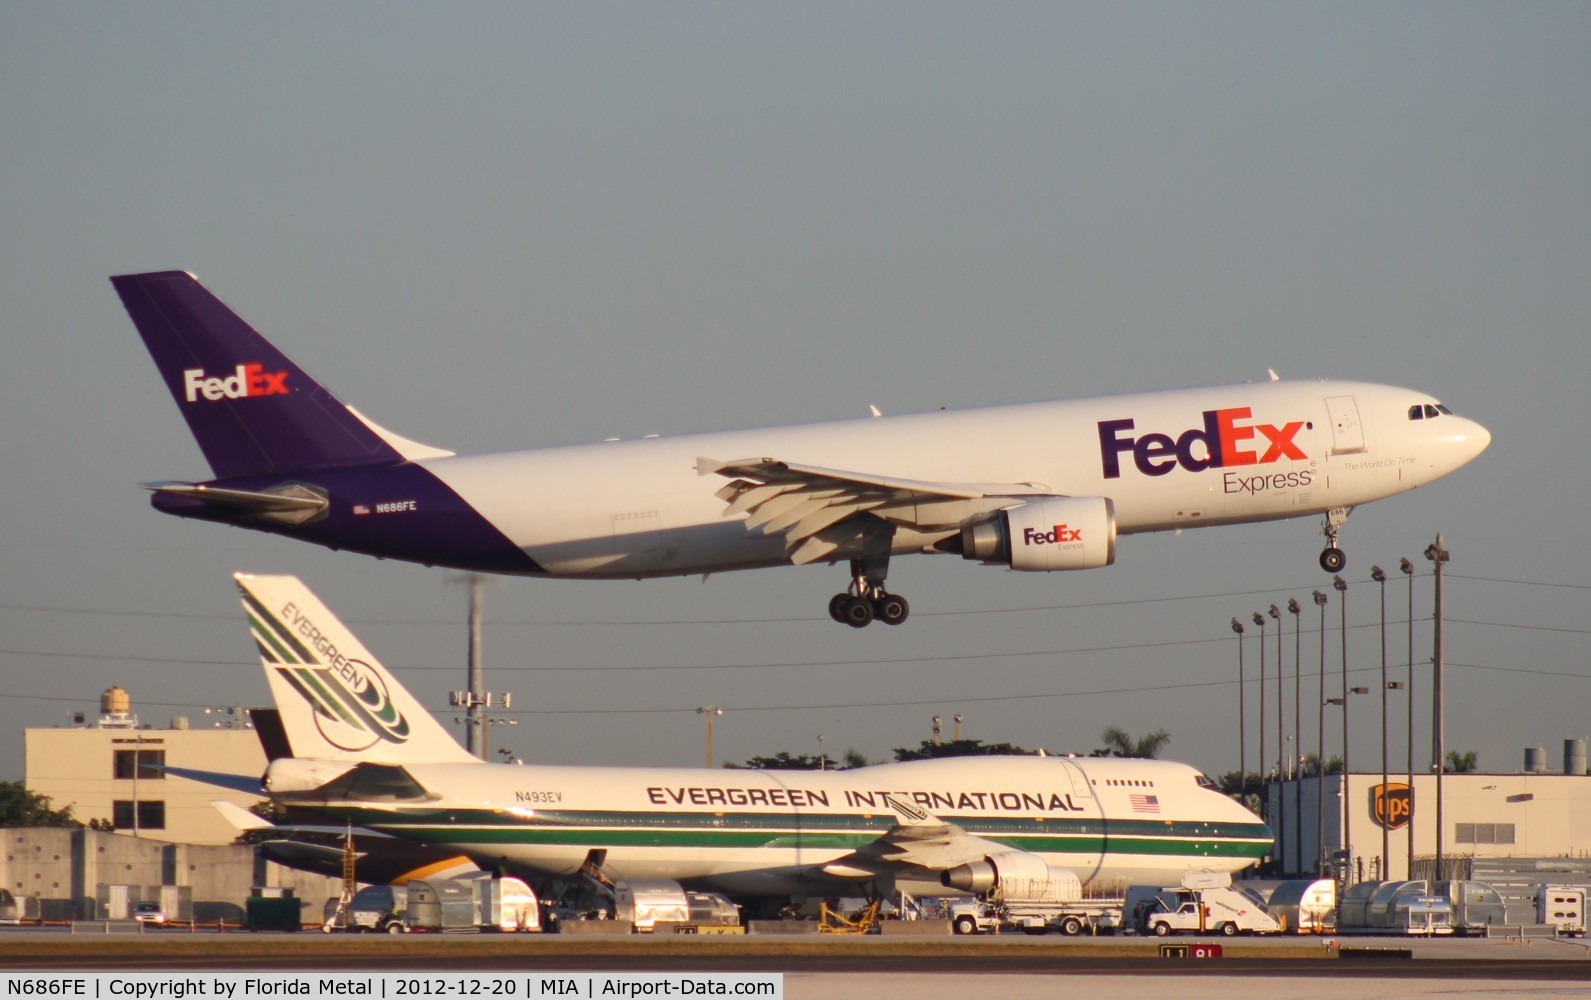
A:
x: 625, y: 622
x: 782, y: 664
x: 1528, y: 628
x: 952, y: 700
x: 1523, y: 583
x: 588, y: 623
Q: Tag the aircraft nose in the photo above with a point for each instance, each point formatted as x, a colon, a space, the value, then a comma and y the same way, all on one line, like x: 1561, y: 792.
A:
x: 1475, y: 439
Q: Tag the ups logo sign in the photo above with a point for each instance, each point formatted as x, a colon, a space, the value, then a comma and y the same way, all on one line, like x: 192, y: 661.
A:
x: 1392, y: 804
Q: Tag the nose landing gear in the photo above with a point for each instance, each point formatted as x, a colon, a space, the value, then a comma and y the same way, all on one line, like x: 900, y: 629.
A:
x: 1332, y: 559
x: 866, y: 600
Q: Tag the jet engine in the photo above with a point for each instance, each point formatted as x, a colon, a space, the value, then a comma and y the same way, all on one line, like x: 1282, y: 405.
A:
x: 1017, y: 874
x: 1044, y: 535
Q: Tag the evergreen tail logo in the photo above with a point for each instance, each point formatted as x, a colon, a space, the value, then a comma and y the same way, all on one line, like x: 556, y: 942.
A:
x: 353, y: 708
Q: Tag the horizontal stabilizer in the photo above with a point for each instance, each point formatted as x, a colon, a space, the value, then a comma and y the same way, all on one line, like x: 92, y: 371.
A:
x: 240, y: 818
x: 294, y: 503
x: 247, y: 783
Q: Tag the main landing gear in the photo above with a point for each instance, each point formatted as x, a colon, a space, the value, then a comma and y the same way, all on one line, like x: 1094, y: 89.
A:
x: 1332, y: 559
x: 866, y: 600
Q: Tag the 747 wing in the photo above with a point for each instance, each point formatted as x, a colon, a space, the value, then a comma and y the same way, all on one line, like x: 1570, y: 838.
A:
x: 919, y: 840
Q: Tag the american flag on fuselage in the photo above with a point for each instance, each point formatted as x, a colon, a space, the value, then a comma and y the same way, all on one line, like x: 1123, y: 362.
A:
x: 1144, y: 803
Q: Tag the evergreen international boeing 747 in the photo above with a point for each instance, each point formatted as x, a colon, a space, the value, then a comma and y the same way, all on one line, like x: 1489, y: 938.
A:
x: 362, y: 751
x: 1034, y: 487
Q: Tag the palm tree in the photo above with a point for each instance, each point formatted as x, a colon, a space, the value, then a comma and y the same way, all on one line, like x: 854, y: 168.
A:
x: 1460, y: 763
x: 1309, y: 767
x: 1120, y: 744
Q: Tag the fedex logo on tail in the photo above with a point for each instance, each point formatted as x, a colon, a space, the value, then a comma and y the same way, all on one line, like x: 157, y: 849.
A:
x: 1227, y: 438
x: 247, y: 381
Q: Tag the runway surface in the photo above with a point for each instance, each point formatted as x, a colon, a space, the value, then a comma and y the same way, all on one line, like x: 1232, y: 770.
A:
x: 923, y: 969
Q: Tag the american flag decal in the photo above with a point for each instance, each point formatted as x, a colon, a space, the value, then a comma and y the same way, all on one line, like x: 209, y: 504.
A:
x: 1144, y: 803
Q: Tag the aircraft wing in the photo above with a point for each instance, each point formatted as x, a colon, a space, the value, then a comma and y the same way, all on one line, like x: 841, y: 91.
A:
x: 808, y: 505
x: 920, y: 840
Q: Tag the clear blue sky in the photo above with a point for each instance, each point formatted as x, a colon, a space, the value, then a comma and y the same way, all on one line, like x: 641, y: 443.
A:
x: 493, y: 226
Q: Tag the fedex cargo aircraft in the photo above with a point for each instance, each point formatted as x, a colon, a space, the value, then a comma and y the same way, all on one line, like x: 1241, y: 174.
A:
x: 1031, y: 487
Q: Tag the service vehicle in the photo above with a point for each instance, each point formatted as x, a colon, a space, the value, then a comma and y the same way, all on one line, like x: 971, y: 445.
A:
x: 378, y: 908
x: 1562, y: 907
x: 1203, y: 907
x: 1037, y: 905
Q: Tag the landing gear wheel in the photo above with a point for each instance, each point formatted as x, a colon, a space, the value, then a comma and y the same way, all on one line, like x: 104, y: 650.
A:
x: 1332, y: 559
x: 891, y: 609
x: 836, y: 607
x: 857, y: 612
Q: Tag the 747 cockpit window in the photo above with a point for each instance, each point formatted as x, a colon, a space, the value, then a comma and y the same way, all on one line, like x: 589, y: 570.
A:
x: 1424, y: 411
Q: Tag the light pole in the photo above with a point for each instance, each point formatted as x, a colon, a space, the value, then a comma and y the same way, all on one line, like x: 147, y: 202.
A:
x: 1380, y: 577
x: 1320, y: 749
x: 1242, y: 719
x: 1298, y: 734
x: 822, y: 760
x: 1341, y: 588
x: 1260, y: 621
x: 1281, y: 739
x: 1408, y: 571
x: 1438, y: 556
x: 708, y: 711
x: 476, y: 699
x: 1346, y: 796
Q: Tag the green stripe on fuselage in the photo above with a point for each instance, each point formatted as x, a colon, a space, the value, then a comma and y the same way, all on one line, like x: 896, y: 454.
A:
x: 812, y: 831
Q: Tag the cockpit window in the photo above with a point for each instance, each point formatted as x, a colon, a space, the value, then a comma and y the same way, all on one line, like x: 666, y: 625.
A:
x: 1425, y: 411
x: 1416, y: 412
x: 1444, y: 409
x: 1204, y: 781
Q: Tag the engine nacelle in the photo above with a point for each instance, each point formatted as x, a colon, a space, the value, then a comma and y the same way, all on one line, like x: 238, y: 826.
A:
x: 1015, y: 875
x: 1044, y: 534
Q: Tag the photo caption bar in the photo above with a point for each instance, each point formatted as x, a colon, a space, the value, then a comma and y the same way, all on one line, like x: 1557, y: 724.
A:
x: 324, y: 985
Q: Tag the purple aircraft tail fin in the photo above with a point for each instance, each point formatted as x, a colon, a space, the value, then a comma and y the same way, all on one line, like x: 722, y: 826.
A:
x: 252, y: 410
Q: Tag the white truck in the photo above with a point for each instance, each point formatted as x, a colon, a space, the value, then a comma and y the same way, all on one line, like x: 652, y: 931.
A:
x: 1562, y: 907
x: 1202, y: 905
x: 1037, y: 906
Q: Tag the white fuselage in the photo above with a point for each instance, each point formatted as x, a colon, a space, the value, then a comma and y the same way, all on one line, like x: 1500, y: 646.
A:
x: 639, y: 508
x: 1110, y: 821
